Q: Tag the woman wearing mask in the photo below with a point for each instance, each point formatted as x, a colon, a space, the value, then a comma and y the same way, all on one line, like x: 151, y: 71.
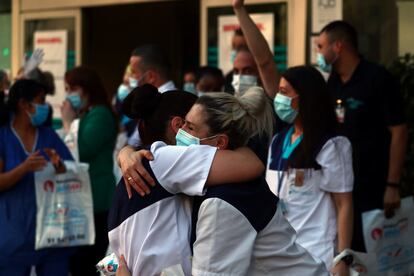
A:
x: 310, y: 161
x: 310, y: 166
x: 123, y: 91
x: 235, y: 225
x: 146, y: 229
x: 25, y: 147
x: 96, y: 140
x: 237, y: 219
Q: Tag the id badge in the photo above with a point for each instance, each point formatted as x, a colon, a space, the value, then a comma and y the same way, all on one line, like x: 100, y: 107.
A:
x: 340, y: 111
x: 283, y: 206
x: 299, y: 177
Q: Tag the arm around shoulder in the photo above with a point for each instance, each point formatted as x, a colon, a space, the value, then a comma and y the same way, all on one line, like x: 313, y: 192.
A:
x: 235, y: 166
x: 189, y: 169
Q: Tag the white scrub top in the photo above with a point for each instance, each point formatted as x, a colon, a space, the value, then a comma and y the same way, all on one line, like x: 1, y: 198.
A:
x: 240, y: 231
x: 306, y: 194
x: 153, y: 232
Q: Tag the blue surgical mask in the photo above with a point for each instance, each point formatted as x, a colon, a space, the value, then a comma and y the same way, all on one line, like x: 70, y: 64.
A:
x: 321, y: 62
x: 133, y: 82
x: 184, y: 138
x: 125, y: 120
x: 40, y: 115
x: 75, y: 100
x: 123, y: 92
x: 190, y: 87
x: 283, y: 108
x: 233, y: 56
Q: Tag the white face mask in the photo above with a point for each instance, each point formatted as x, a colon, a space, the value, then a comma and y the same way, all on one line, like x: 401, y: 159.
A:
x: 241, y: 83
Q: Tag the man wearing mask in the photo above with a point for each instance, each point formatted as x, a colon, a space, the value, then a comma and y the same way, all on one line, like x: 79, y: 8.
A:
x: 245, y: 72
x: 189, y: 82
x: 256, y: 62
x: 370, y: 112
x: 238, y: 41
x: 149, y: 64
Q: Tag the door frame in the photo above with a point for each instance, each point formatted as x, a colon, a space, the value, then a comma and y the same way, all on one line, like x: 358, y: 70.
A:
x: 72, y: 13
x: 296, y: 16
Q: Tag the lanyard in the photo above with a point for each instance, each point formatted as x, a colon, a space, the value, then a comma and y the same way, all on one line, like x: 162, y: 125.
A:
x: 287, y: 150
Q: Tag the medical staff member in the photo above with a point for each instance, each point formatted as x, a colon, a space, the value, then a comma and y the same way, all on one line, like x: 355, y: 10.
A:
x: 310, y: 166
x: 307, y: 106
x: 149, y: 64
x: 370, y: 110
x: 153, y: 232
x: 26, y: 147
x: 235, y: 225
x: 241, y: 220
x: 127, y: 125
x: 96, y: 139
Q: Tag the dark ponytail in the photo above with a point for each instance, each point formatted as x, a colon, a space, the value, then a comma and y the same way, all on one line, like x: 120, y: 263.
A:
x: 155, y: 110
x: 24, y: 89
x: 315, y: 112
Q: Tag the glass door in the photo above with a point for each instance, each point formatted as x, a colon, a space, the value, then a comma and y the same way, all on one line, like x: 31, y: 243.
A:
x: 59, y: 35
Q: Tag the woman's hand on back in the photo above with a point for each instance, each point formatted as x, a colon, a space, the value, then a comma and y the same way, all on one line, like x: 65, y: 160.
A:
x: 133, y: 172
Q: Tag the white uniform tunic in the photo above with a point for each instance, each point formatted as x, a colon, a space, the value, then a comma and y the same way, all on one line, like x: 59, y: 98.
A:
x: 153, y: 232
x: 305, y: 193
x: 240, y: 231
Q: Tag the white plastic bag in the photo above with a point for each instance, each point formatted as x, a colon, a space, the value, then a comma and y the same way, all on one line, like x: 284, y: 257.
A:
x: 64, y: 207
x: 108, y: 265
x: 391, y: 241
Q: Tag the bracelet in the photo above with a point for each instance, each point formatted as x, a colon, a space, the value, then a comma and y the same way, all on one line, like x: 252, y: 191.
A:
x: 345, y: 256
x: 393, y: 185
x: 348, y: 259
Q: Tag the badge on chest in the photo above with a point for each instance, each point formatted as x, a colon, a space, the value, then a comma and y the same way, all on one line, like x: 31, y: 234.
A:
x: 299, y: 177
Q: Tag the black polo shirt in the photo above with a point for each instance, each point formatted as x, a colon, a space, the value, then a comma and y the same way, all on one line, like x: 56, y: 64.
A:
x: 372, y: 102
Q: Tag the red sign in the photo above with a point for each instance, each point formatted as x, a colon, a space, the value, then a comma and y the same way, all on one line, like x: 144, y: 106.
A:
x: 49, y: 40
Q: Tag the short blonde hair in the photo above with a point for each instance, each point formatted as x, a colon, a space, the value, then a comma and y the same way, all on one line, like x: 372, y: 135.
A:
x: 240, y: 118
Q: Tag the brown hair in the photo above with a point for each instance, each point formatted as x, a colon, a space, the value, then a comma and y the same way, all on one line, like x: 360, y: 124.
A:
x: 91, y: 85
